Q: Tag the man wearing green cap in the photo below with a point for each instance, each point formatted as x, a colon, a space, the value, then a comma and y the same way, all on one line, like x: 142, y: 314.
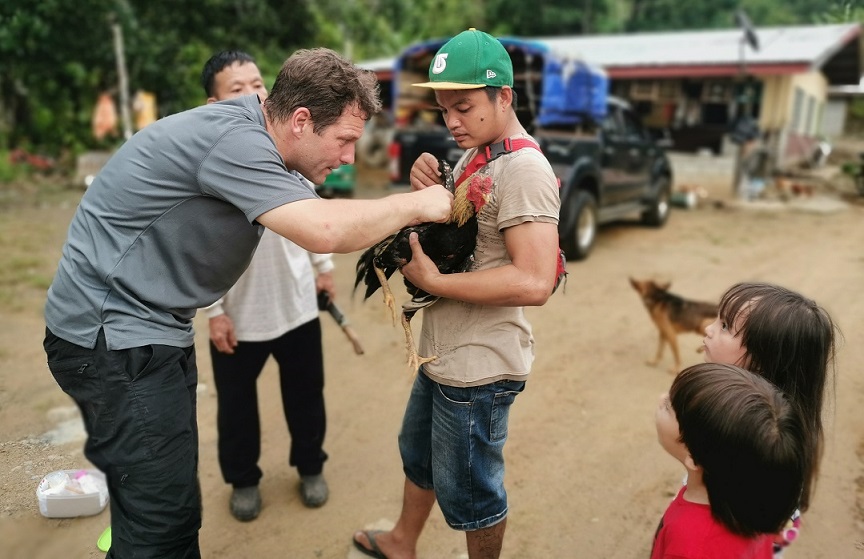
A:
x: 455, y: 424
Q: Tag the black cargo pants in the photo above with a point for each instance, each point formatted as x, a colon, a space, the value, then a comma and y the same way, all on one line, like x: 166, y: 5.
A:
x: 139, y: 410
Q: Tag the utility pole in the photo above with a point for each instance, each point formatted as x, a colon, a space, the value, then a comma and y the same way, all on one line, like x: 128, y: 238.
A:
x: 748, y: 37
x: 125, y: 116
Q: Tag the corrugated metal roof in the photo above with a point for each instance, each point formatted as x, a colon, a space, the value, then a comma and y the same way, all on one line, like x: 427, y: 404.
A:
x: 811, y: 45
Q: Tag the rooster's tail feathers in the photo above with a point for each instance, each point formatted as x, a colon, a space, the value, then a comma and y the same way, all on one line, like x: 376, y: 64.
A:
x: 366, y: 271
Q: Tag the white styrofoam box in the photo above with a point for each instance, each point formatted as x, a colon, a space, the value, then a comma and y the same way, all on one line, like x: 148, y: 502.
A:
x: 67, y: 504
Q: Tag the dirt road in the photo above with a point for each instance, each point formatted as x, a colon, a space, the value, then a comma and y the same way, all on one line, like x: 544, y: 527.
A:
x: 585, y: 476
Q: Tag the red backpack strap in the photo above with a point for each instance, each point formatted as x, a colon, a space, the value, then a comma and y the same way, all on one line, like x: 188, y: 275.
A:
x: 476, y: 163
x: 493, y: 152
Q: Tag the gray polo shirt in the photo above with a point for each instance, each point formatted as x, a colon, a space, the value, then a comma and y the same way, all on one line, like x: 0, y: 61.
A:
x: 168, y: 226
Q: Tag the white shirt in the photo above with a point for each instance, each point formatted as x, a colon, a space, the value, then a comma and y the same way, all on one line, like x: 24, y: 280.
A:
x: 276, y: 293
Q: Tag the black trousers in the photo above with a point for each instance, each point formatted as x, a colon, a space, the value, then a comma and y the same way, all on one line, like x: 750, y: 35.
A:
x: 139, y: 407
x: 301, y: 377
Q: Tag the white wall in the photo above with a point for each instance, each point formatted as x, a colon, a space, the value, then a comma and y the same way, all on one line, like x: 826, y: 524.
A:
x: 711, y: 172
x: 834, y: 118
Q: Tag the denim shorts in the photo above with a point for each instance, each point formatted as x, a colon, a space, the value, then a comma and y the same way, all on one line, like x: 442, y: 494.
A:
x: 452, y: 442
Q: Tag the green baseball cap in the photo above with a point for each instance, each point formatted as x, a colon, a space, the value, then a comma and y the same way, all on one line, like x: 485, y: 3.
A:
x: 470, y: 60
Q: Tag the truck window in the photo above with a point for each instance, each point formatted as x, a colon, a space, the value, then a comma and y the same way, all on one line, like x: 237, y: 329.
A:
x: 611, y: 125
x: 633, y: 127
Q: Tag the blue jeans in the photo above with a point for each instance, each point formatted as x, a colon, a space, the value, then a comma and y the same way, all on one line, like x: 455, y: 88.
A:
x: 452, y: 442
x: 138, y: 406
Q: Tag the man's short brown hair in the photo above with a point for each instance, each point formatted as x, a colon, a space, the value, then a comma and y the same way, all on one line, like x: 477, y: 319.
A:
x: 326, y: 84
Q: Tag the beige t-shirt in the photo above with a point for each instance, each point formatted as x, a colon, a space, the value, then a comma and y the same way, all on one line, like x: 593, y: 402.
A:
x: 479, y: 344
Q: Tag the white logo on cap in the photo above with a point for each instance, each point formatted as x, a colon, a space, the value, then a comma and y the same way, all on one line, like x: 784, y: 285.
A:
x: 440, y: 63
x: 490, y: 74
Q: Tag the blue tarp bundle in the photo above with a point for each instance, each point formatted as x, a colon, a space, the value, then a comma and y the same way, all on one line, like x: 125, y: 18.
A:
x: 573, y: 91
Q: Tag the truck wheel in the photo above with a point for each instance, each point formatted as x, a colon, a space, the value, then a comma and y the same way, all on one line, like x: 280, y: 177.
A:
x: 657, y: 211
x: 578, y: 242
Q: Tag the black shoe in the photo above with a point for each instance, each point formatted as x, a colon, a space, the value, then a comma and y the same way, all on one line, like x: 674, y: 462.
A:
x: 246, y: 503
x: 313, y: 490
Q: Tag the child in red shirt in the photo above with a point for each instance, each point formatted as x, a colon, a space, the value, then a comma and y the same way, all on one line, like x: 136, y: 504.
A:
x: 745, y: 450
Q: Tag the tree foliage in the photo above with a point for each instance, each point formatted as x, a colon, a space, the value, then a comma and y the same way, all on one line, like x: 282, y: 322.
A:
x: 670, y: 15
x: 376, y: 28
x: 56, y: 56
x: 842, y: 12
x: 552, y: 17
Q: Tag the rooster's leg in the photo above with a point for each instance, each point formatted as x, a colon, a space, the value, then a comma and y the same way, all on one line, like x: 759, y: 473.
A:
x: 389, y: 300
x: 414, y: 359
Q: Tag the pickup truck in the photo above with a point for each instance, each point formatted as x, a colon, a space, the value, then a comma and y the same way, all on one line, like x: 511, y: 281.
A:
x: 608, y: 164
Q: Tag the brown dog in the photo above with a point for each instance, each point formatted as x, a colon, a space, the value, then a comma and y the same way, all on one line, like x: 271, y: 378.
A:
x: 673, y: 314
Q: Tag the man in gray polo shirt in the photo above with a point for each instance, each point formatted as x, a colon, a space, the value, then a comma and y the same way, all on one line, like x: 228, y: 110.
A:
x: 167, y: 227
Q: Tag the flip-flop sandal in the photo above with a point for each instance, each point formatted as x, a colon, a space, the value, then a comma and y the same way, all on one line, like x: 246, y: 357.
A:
x: 375, y: 551
x: 104, y: 541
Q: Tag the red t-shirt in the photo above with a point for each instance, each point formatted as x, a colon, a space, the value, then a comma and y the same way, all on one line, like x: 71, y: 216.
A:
x: 688, y: 531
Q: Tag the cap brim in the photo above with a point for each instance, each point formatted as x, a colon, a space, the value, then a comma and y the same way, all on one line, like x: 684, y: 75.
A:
x: 449, y: 85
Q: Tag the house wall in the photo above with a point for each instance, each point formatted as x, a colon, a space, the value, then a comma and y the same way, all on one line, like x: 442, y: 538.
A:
x: 775, y: 102
x: 790, y: 114
x: 834, y: 118
x: 812, y: 90
x: 805, y: 106
x: 702, y: 170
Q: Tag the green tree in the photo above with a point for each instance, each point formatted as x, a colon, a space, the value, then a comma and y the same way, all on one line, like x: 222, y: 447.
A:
x: 47, y: 61
x: 842, y: 12
x: 169, y: 40
x: 363, y: 29
x: 657, y: 15
x: 56, y: 56
x: 552, y: 17
x: 669, y: 15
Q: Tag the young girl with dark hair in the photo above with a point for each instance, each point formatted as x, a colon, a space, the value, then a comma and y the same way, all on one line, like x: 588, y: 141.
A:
x: 789, y: 340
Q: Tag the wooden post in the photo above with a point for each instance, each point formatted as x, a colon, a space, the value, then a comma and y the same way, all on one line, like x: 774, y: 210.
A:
x: 739, y: 153
x: 125, y: 116
x: 748, y: 37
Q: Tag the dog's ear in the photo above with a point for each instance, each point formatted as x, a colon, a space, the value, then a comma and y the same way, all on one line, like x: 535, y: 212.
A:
x: 663, y: 285
x: 639, y: 285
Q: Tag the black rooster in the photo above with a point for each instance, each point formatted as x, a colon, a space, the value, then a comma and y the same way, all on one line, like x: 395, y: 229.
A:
x: 449, y: 245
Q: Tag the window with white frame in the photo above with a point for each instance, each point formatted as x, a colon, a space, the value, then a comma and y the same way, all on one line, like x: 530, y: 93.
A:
x: 797, y: 109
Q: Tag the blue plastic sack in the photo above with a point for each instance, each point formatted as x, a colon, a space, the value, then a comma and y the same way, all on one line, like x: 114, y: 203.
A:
x: 573, y: 92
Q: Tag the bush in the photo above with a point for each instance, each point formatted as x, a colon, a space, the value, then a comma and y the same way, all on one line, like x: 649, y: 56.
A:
x: 9, y: 171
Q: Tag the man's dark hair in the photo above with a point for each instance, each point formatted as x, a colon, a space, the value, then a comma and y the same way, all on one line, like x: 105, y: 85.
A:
x: 750, y: 442
x: 326, y: 84
x: 493, y: 92
x: 219, y: 62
